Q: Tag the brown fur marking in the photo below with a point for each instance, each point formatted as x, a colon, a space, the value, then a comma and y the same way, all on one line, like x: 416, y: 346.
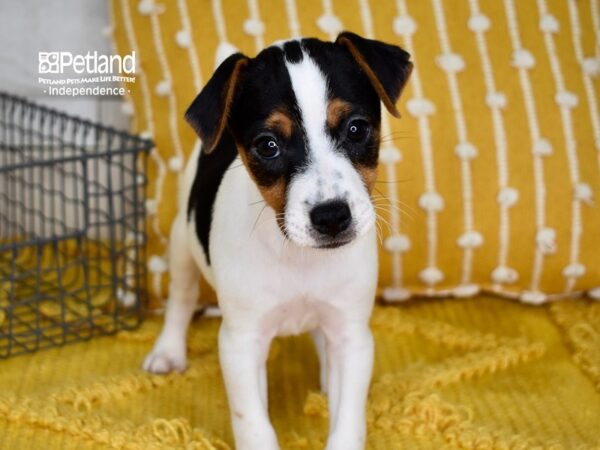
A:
x: 368, y: 175
x: 274, y: 195
x: 337, y: 109
x: 280, y: 122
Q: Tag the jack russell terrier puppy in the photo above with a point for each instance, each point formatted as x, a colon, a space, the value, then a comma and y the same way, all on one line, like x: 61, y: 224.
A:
x: 275, y: 212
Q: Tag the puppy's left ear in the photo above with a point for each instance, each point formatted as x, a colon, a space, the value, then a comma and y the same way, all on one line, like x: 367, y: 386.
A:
x: 387, y: 66
x: 209, y: 112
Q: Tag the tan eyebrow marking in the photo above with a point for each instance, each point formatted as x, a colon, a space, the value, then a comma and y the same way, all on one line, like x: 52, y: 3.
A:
x: 274, y: 194
x: 337, y: 109
x: 280, y: 122
x: 368, y: 175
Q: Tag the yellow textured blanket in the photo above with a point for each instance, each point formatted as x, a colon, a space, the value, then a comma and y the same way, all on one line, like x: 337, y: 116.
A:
x: 481, y: 373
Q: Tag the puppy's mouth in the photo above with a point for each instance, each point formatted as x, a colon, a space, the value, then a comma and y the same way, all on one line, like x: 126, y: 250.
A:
x: 330, y: 242
x: 334, y: 244
x: 319, y: 241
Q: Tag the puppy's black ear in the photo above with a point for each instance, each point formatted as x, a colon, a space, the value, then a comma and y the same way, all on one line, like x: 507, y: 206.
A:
x: 387, y: 66
x: 208, y: 113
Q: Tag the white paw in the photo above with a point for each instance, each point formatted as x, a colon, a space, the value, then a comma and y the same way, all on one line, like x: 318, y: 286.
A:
x: 252, y: 436
x: 346, y: 441
x: 323, y: 381
x: 164, y: 360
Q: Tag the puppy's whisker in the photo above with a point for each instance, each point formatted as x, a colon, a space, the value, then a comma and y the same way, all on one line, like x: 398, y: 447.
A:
x: 390, y: 209
x: 381, y: 219
x: 399, y: 206
x: 284, y: 246
x: 234, y: 167
x: 393, y: 139
x: 392, y: 182
x: 398, y: 201
x: 382, y: 209
x: 397, y: 133
x: 386, y: 209
x: 257, y: 218
x: 256, y: 202
x: 382, y: 195
x: 379, y: 233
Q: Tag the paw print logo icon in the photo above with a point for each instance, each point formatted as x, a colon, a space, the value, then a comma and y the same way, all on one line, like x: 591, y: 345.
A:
x: 48, y: 62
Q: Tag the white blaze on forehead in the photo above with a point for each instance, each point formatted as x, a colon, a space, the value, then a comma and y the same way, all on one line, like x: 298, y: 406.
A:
x: 310, y: 88
x: 329, y: 173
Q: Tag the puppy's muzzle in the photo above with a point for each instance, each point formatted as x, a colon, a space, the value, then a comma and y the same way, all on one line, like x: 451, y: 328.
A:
x: 332, y: 220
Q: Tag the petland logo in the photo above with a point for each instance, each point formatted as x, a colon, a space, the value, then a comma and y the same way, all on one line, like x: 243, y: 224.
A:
x: 90, y: 63
x: 95, y: 68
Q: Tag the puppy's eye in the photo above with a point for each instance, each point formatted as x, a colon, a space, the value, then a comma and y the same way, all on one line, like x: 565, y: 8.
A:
x: 358, y: 131
x: 266, y: 146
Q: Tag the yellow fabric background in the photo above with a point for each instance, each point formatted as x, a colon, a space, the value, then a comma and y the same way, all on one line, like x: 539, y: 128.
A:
x: 478, y: 373
x: 151, y: 31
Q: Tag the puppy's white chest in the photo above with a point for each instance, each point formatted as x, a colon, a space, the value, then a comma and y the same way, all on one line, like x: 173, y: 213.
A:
x: 290, y: 317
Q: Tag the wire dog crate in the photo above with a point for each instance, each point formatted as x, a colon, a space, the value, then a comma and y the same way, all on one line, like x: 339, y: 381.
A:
x: 72, y: 258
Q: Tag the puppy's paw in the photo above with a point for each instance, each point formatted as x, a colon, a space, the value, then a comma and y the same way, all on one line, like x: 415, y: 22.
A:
x: 163, y: 360
x: 346, y: 441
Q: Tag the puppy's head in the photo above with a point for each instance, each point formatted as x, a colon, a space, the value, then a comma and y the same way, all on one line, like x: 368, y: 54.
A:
x: 305, y: 115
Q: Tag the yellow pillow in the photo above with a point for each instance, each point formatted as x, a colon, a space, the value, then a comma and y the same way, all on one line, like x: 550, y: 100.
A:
x: 490, y: 181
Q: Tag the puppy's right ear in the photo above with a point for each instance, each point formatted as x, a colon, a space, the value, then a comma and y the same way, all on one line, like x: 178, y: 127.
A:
x: 208, y: 113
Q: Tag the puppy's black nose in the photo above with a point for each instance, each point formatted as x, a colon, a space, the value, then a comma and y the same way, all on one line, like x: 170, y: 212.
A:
x: 331, y: 218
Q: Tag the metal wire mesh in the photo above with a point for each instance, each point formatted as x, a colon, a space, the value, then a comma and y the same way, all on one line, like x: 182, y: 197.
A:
x: 71, y: 228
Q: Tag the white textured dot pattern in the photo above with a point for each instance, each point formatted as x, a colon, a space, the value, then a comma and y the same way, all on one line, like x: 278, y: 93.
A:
x: 466, y: 290
x: 479, y: 23
x: 390, y: 155
x: 523, y: 59
x: 157, y: 264
x: 183, y: 39
x: 419, y: 107
x: 507, y: 196
x: 405, y: 26
x: 397, y: 243
x: 394, y: 294
x: 431, y: 201
x: 431, y: 275
x: 330, y: 23
x: 451, y: 62
x: 504, y: 275
x: 533, y: 297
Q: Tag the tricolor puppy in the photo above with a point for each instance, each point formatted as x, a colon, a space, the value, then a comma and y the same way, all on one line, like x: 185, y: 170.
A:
x: 276, y: 213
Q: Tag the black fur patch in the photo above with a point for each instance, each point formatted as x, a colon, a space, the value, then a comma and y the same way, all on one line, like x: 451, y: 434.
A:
x: 210, y: 172
x: 293, y: 51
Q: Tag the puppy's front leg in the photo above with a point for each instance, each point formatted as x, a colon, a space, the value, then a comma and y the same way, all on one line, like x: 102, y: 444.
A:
x: 243, y: 357
x: 320, y: 347
x: 351, y: 365
x: 169, y: 351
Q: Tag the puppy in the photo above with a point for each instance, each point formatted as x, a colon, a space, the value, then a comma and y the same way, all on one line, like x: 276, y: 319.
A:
x: 276, y: 214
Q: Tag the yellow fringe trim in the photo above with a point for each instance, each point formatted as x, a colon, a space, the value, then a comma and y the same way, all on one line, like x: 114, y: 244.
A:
x: 581, y: 322
x: 83, y: 398
x: 158, y: 434
x: 397, y: 321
